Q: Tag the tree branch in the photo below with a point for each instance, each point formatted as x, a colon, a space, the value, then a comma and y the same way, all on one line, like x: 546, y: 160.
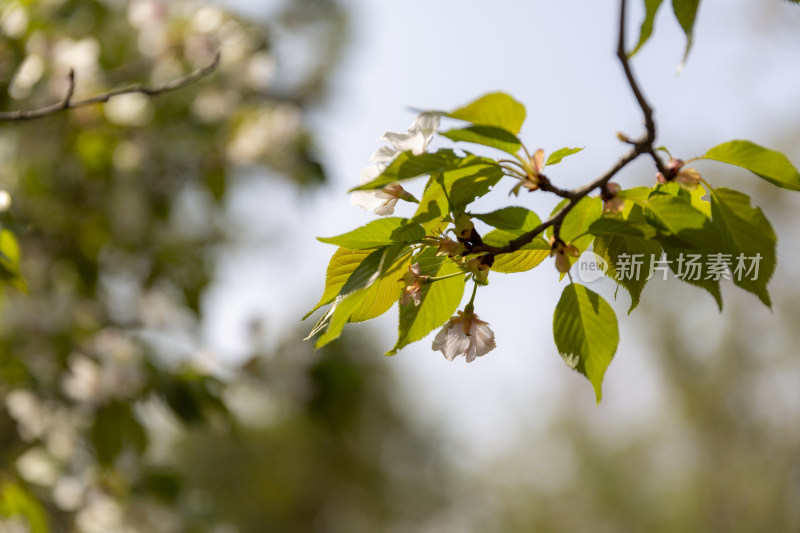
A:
x: 643, y: 145
x: 68, y: 103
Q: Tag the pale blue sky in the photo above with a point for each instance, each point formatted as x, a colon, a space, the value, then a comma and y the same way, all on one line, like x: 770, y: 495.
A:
x: 742, y: 81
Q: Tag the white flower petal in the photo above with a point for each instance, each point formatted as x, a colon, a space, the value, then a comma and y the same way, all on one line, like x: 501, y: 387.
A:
x: 451, y: 340
x: 384, y: 154
x: 366, y: 200
x: 427, y: 123
x: 386, y: 208
x: 483, y: 337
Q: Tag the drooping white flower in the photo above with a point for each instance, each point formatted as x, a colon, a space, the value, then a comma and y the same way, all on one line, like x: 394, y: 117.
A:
x: 382, y: 201
x: 465, y: 334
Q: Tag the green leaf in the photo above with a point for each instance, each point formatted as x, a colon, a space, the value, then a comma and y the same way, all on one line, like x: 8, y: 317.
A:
x: 438, y: 300
x: 511, y: 218
x: 495, y: 109
x: 575, y: 228
x: 678, y: 259
x: 618, y: 227
x: 651, y: 8
x: 114, y: 428
x: 765, y: 163
x: 370, y: 291
x: 681, y: 224
x: 16, y: 501
x: 433, y: 207
x: 630, y: 260
x: 408, y: 166
x: 522, y: 260
x: 556, y: 157
x: 686, y: 12
x: 337, y: 317
x: 341, y: 265
x: 383, y: 293
x: 375, y: 265
x: 687, y: 233
x: 748, y: 237
x: 9, y: 261
x: 586, y: 333
x: 465, y: 185
x: 487, y: 136
x: 379, y: 232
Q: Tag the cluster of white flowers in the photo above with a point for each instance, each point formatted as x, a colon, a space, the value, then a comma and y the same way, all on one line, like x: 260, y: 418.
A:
x: 382, y: 201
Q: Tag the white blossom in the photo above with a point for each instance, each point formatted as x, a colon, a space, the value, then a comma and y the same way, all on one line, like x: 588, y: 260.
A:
x: 382, y: 201
x: 465, y: 334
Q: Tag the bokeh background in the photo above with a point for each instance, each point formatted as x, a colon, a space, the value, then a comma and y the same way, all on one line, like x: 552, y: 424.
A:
x: 153, y: 378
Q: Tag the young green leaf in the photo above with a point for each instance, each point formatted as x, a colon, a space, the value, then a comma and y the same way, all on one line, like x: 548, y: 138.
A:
x: 749, y: 239
x: 465, y: 185
x: 630, y: 259
x: 575, y: 228
x: 686, y: 264
x: 438, y: 300
x: 681, y: 224
x: 374, y: 266
x: 651, y: 8
x: 511, y: 218
x: 686, y: 12
x: 618, y: 227
x: 338, y: 316
x: 495, y: 109
x: 383, y: 293
x: 408, y: 166
x: 765, y: 163
x: 586, y: 333
x: 556, y: 157
x: 379, y: 232
x: 341, y: 265
x: 487, y: 136
x: 522, y: 260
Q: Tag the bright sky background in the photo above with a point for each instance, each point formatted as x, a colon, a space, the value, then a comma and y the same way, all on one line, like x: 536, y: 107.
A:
x: 742, y: 81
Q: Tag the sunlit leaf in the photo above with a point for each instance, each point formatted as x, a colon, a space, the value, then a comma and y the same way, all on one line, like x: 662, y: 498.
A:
x: 686, y: 11
x: 487, y: 136
x: 383, y: 293
x: 408, y: 166
x: 511, y: 218
x: 341, y: 265
x: 651, y: 9
x: 748, y: 237
x: 630, y: 260
x: 586, y: 333
x: 560, y: 154
x: 380, y: 232
x: 527, y: 257
x: 768, y: 164
x: 438, y: 300
x: 498, y: 110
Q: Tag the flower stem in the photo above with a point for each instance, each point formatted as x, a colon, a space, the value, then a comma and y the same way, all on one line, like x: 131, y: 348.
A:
x: 470, y: 306
x: 440, y: 278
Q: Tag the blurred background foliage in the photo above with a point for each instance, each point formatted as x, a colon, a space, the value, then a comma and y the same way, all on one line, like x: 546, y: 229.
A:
x: 116, y: 419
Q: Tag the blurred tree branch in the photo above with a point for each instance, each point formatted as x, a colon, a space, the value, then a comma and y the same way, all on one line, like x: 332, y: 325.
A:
x: 68, y: 103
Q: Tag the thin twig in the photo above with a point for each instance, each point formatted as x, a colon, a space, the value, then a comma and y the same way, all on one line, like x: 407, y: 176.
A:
x: 68, y: 103
x: 641, y: 146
